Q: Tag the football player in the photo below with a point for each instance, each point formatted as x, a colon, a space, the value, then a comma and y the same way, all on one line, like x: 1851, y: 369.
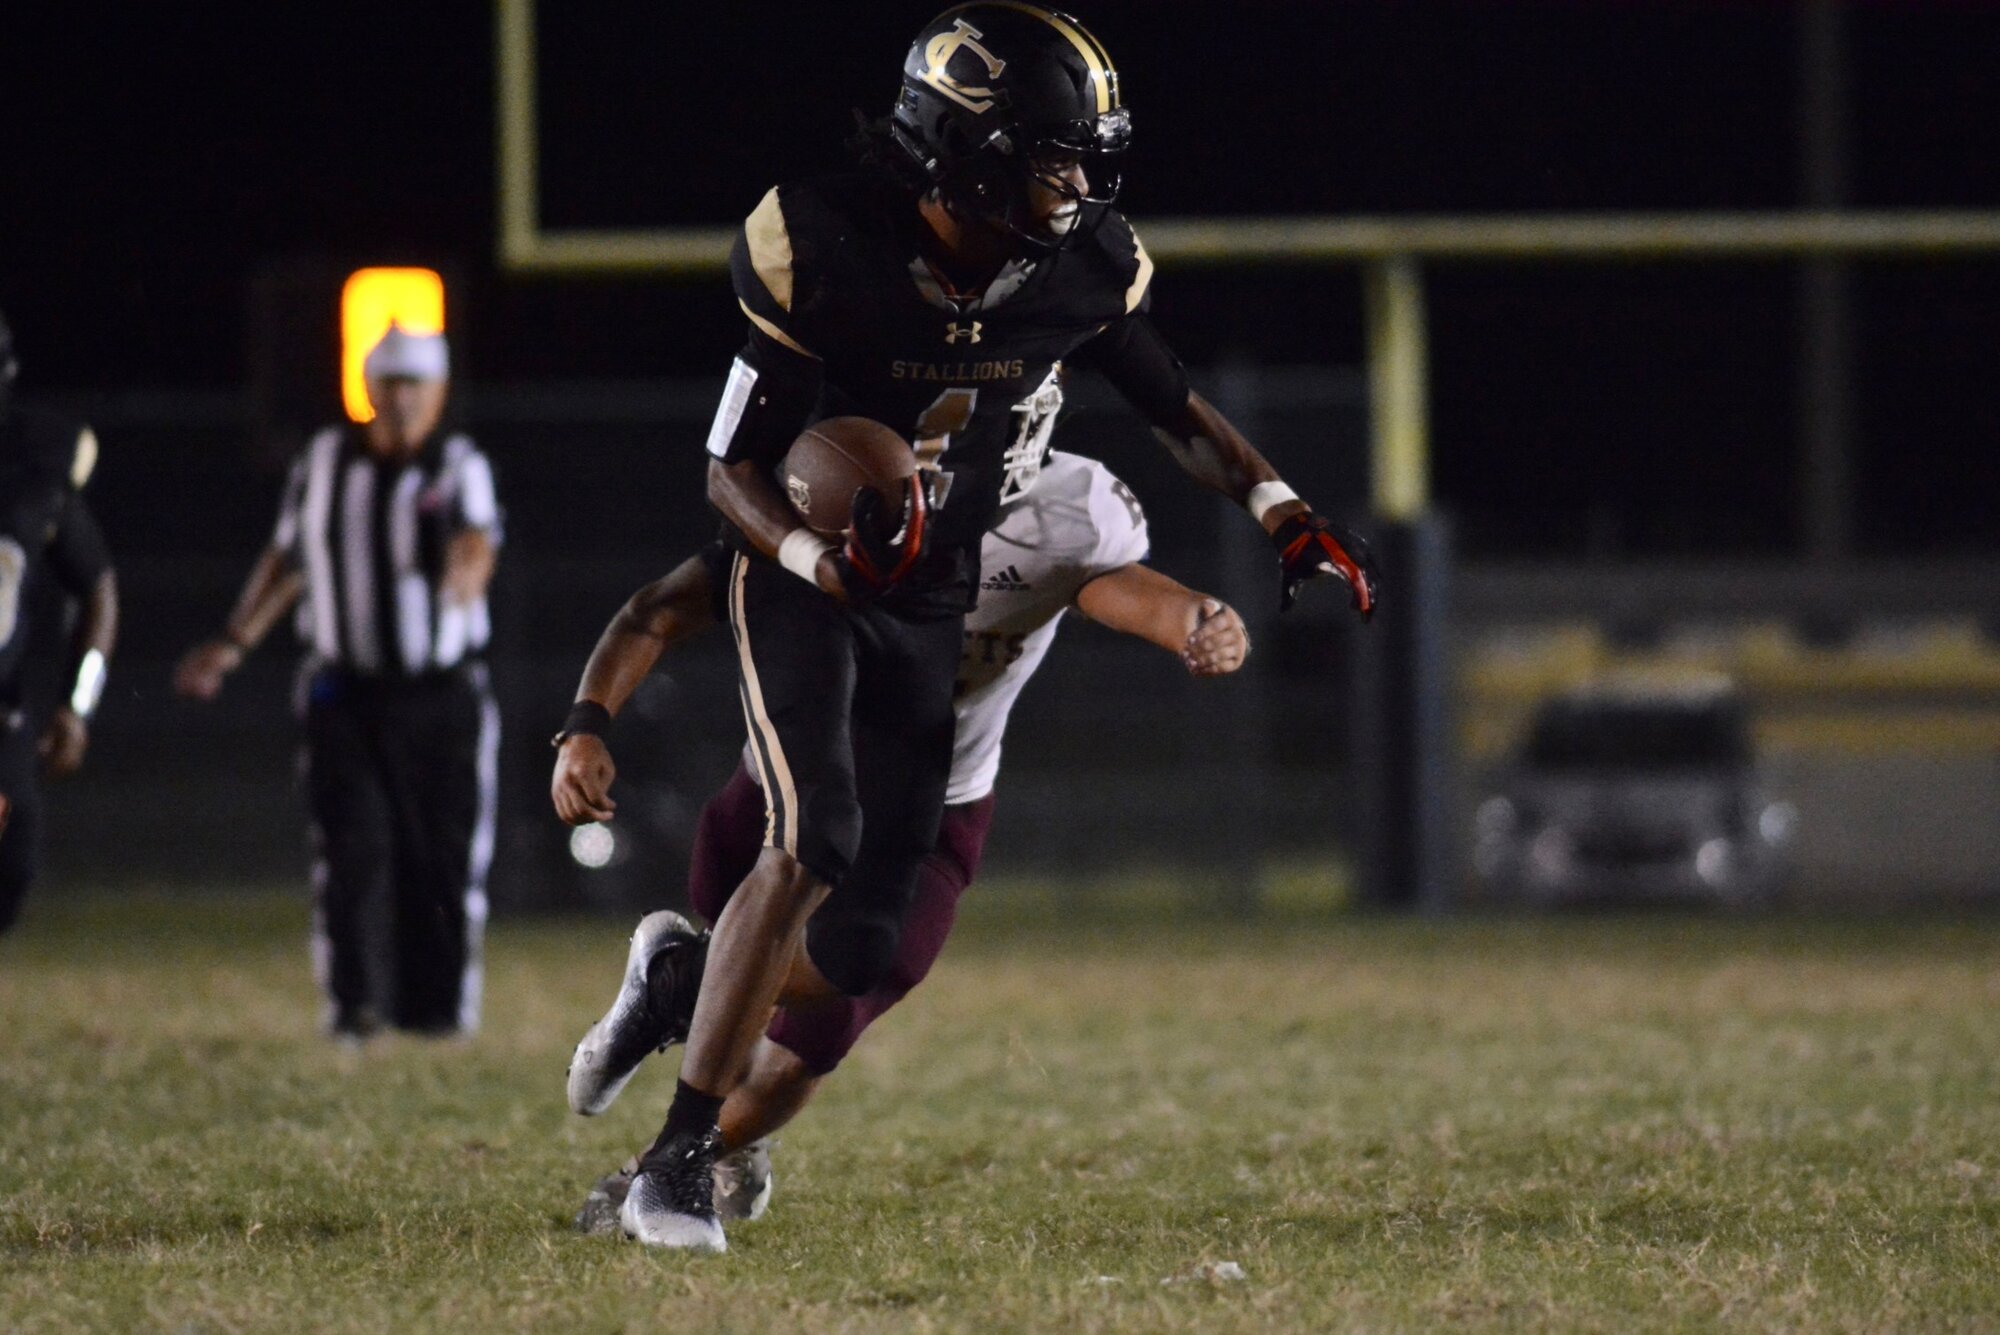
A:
x: 1073, y: 536
x: 934, y: 289
x: 45, y: 530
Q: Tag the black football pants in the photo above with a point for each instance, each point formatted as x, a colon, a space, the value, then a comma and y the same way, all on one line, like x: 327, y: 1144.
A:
x: 400, y: 781
x: 850, y: 720
x: 21, y: 840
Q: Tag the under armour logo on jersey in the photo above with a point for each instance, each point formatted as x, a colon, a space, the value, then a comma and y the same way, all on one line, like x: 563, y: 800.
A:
x: 1006, y: 581
x: 969, y: 331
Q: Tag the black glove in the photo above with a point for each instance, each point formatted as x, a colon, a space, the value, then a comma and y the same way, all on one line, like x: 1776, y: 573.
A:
x: 885, y: 541
x: 1309, y: 546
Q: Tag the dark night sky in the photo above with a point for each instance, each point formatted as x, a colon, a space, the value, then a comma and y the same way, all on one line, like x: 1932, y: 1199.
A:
x: 151, y: 158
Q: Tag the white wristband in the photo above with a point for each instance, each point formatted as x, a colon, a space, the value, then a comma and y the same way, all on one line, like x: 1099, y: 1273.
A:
x: 89, y: 688
x: 1265, y: 495
x: 800, y: 553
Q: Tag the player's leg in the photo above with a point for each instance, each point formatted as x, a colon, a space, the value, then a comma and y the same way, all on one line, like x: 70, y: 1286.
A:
x: 802, y: 1047
x: 666, y: 958
x: 796, y: 663
x: 903, y: 726
x: 806, y: 1044
x: 21, y: 832
x: 353, y: 845
x: 816, y: 1040
x: 665, y: 961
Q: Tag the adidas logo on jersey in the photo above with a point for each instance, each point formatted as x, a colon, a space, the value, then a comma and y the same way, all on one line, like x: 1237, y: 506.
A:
x: 1006, y: 581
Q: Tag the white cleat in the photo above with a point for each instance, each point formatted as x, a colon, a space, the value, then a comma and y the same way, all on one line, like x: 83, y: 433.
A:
x: 671, y: 1203
x: 610, y: 1051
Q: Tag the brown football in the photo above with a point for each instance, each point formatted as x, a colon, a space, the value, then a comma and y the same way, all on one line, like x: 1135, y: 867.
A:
x: 833, y: 459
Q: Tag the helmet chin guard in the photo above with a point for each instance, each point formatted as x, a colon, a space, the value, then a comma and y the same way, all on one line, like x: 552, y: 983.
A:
x: 999, y: 95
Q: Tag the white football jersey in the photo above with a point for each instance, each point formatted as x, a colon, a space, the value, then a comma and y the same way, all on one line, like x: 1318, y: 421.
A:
x: 1078, y: 522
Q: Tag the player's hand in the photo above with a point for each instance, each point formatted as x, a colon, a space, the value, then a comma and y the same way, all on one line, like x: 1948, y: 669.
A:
x: 63, y: 743
x: 1218, y: 644
x: 199, y: 674
x: 581, y: 788
x: 1310, y: 547
x: 884, y: 541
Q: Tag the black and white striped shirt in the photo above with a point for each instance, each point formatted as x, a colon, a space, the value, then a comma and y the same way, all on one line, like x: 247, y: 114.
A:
x: 370, y: 536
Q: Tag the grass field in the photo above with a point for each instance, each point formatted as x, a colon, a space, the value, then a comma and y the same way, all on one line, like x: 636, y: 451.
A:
x: 1585, y: 1123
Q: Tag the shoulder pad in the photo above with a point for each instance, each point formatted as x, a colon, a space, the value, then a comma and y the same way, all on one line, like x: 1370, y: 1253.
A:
x: 1123, y: 256
x: 49, y: 444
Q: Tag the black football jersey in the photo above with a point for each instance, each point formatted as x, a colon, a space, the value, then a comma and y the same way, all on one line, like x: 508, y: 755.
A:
x: 45, y: 528
x: 830, y: 268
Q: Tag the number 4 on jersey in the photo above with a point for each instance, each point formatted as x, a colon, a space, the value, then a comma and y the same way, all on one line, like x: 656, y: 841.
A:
x: 950, y: 411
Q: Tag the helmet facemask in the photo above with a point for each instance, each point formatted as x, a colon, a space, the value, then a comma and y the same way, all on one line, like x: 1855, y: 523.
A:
x: 996, y: 183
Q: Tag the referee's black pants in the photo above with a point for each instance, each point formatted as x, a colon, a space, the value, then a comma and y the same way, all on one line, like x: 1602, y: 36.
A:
x: 400, y: 778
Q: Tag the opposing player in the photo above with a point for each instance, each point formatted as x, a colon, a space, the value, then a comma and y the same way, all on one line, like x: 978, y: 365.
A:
x: 1072, y: 537
x: 934, y: 290
x: 46, y: 531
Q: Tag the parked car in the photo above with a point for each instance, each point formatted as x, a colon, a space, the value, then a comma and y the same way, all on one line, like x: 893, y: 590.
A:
x: 1635, y: 792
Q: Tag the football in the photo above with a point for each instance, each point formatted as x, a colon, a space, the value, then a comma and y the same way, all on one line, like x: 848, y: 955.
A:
x: 833, y: 459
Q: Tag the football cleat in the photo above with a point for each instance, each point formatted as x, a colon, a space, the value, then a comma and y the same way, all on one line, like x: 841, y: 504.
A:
x: 651, y: 1012
x: 743, y: 1182
x: 599, y: 1216
x: 671, y: 1202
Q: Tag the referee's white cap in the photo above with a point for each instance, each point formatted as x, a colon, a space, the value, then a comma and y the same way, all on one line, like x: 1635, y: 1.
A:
x: 415, y: 356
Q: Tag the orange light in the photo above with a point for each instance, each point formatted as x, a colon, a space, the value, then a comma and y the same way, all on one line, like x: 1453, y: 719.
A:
x: 370, y: 301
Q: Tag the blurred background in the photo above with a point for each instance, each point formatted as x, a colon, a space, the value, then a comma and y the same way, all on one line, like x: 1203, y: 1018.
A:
x: 1716, y: 613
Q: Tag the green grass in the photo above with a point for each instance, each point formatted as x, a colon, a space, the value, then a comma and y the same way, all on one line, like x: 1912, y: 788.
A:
x: 1586, y: 1123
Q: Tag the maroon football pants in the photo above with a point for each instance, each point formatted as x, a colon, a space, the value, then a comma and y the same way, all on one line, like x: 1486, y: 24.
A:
x: 727, y: 841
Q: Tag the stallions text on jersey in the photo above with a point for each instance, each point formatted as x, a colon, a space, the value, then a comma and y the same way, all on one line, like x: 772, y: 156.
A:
x: 830, y: 273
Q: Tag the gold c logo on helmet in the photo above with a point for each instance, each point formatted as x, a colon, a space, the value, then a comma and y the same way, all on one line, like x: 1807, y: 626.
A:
x: 939, y: 52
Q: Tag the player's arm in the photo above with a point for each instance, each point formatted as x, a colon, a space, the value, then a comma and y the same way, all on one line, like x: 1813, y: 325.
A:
x: 273, y: 587
x: 772, y: 389
x: 1204, y: 632
x: 766, y: 402
x: 657, y: 617
x: 1136, y: 359
x: 82, y: 565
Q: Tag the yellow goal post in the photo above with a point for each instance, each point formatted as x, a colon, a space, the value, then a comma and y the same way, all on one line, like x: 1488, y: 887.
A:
x: 1391, y: 252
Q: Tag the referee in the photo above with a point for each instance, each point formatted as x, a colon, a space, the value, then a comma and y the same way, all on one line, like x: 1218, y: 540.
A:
x: 386, y: 540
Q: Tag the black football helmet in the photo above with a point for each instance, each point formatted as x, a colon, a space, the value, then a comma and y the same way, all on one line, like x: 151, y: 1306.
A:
x: 996, y: 94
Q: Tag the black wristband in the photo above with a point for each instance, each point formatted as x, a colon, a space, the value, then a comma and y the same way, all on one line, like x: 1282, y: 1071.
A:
x: 585, y: 717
